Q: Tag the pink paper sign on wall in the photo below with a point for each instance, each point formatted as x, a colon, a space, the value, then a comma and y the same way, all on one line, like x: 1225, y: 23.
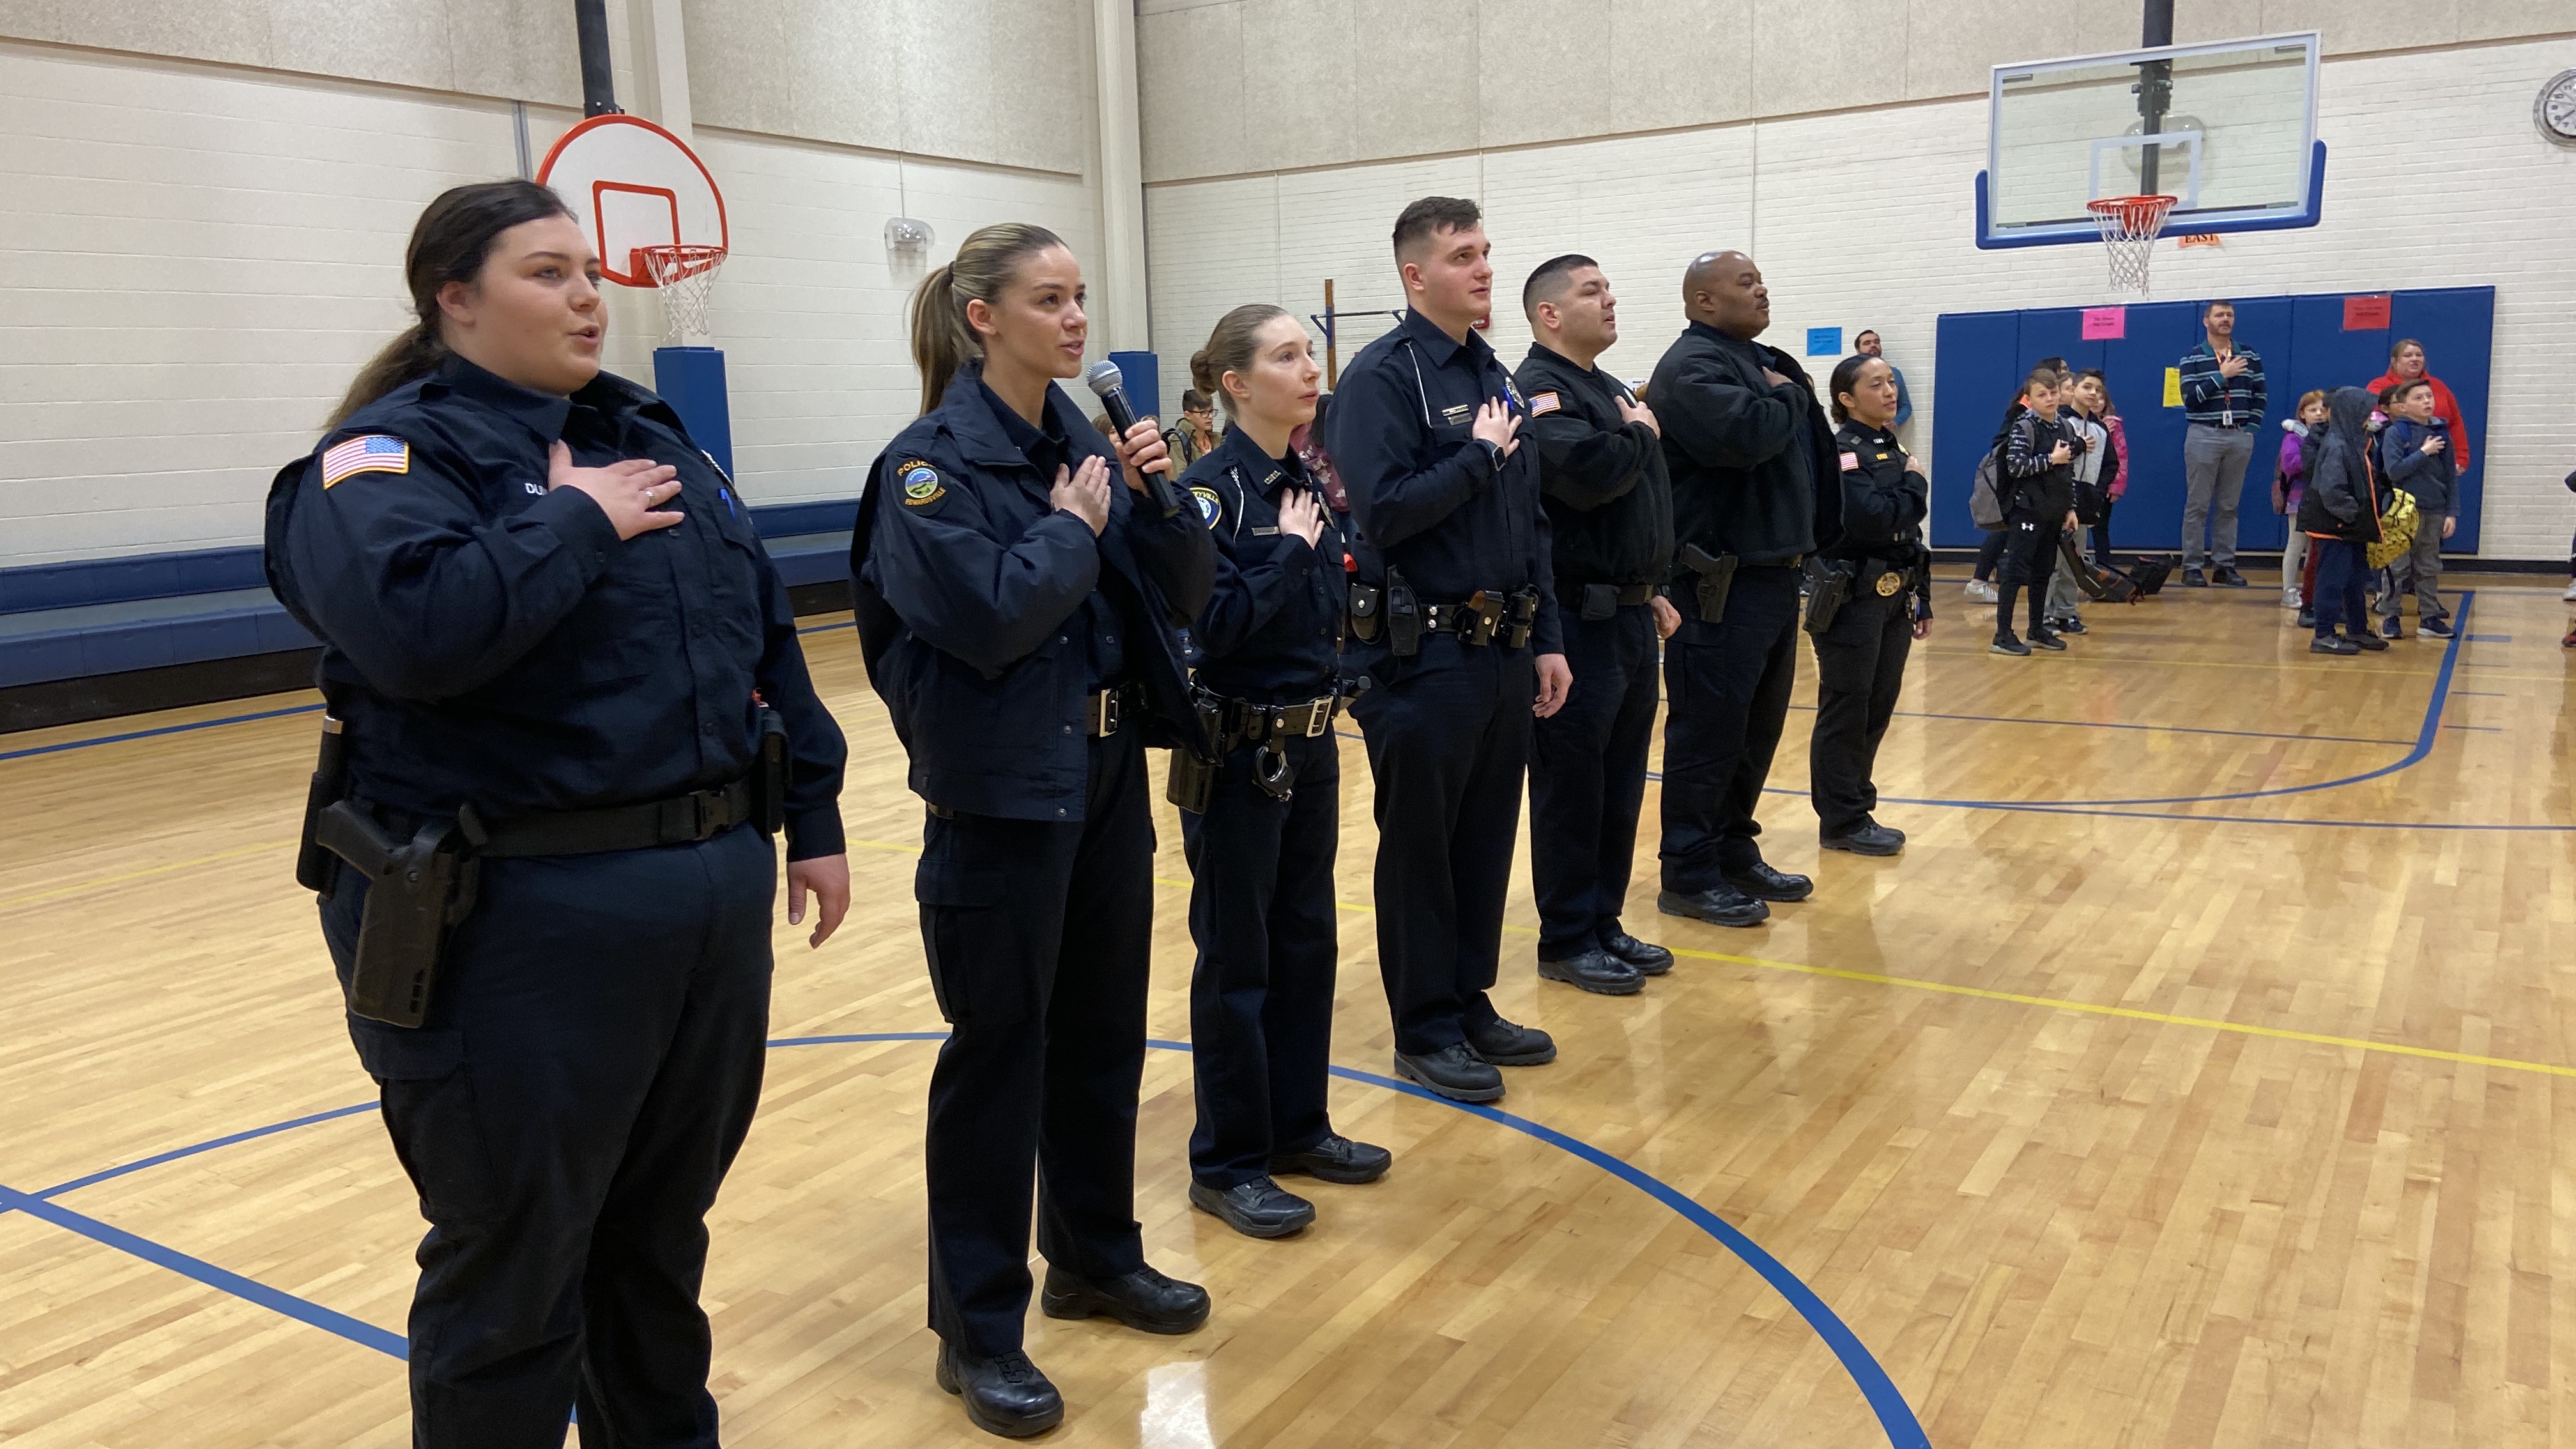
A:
x: 2105, y: 324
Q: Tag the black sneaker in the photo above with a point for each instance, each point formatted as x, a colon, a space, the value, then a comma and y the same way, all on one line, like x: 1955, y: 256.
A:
x: 2007, y: 644
x: 2307, y: 618
x: 1598, y: 972
x: 1871, y: 838
x: 2071, y: 625
x: 1144, y: 1300
x: 1509, y: 1044
x: 1761, y: 882
x: 2194, y: 579
x: 1721, y: 905
x: 1335, y: 1159
x: 2043, y: 639
x: 1455, y: 1072
x: 2439, y: 628
x: 1649, y: 958
x: 1257, y: 1209
x: 1004, y: 1395
x: 2227, y: 577
x: 2370, y: 643
x: 2334, y: 644
x: 2391, y: 628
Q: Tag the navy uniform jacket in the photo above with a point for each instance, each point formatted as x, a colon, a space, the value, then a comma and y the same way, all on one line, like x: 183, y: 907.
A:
x: 1883, y: 505
x: 1272, y: 628
x: 1609, y: 498
x: 492, y: 643
x: 968, y: 583
x: 1425, y: 496
x: 1753, y: 463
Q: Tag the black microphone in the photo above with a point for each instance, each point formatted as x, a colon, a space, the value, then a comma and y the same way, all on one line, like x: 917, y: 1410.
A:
x: 1110, y: 386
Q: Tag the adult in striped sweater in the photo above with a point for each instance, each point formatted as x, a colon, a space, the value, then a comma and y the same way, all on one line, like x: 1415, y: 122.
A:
x: 2222, y: 398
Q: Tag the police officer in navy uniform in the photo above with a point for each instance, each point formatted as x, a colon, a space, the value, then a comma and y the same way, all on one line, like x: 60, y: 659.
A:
x: 1610, y: 533
x: 1269, y: 824
x: 1022, y: 617
x: 549, y: 630
x: 1885, y: 593
x: 1456, y: 624
x: 1754, y: 494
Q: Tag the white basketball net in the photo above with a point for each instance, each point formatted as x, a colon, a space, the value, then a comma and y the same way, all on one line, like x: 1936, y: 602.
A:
x: 684, y: 275
x: 2130, y: 226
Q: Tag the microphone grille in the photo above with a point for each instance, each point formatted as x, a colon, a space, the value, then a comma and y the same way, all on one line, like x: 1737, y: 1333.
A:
x: 1104, y: 378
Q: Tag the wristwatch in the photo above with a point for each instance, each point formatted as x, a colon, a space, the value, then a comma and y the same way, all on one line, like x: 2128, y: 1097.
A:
x: 1493, y: 454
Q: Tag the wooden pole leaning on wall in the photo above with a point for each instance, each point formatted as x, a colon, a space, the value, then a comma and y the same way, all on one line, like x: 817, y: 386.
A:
x: 1332, y: 352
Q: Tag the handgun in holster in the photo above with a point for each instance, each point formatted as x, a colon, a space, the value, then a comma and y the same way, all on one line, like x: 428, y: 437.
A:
x: 769, y: 773
x: 1487, y: 608
x: 1829, y: 587
x: 1716, y: 576
x: 1366, y: 602
x: 417, y: 890
x: 1404, y: 620
x: 1520, y: 618
x: 1195, y: 763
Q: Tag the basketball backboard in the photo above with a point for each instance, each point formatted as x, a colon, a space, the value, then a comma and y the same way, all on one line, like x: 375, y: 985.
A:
x: 634, y: 185
x: 2234, y: 139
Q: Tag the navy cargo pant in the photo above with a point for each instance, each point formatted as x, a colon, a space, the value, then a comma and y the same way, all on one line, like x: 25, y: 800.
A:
x: 1261, y: 997
x: 1448, y: 745
x: 1726, y: 687
x: 1860, y: 666
x: 1588, y: 778
x: 590, y: 1064
x: 1037, y: 933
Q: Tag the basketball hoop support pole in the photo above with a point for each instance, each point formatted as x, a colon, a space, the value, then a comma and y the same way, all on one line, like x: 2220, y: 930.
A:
x: 598, y: 73
x: 2155, y: 92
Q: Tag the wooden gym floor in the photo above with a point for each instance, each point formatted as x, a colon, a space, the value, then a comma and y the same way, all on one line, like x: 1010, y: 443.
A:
x: 2200, y: 1075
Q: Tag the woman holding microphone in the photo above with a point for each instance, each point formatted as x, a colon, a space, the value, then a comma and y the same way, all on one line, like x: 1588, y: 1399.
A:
x: 1020, y: 615
x: 1261, y: 855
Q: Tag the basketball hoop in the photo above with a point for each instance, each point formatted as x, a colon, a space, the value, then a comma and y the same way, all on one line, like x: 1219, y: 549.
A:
x: 684, y: 275
x: 2130, y: 226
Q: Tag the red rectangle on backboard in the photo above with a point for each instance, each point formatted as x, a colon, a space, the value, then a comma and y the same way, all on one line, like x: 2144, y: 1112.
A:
x: 2105, y: 324
x: 2366, y: 314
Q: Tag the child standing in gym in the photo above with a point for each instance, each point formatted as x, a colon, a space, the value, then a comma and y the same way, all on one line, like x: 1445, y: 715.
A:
x: 2040, y: 506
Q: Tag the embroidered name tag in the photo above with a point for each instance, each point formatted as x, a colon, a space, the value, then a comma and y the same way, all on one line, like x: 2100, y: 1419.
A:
x: 1459, y: 414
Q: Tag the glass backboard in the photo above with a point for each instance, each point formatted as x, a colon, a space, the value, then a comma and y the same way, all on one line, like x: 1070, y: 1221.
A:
x: 2230, y: 129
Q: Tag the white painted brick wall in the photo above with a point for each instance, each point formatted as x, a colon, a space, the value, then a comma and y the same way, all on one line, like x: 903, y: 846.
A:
x: 195, y: 259
x: 1864, y: 219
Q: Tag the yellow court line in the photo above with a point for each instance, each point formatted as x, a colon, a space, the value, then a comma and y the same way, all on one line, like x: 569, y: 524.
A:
x: 2051, y: 1003
x: 109, y: 880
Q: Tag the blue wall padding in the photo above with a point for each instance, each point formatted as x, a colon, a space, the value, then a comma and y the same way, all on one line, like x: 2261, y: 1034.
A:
x: 692, y: 381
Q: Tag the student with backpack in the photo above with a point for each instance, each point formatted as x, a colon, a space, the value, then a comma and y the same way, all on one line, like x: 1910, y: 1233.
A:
x: 2036, y: 485
x: 2092, y: 443
x: 1990, y: 551
x: 2340, y: 513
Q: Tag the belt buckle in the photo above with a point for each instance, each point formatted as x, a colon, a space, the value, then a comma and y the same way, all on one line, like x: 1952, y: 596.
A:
x: 1104, y: 713
x: 1319, y: 717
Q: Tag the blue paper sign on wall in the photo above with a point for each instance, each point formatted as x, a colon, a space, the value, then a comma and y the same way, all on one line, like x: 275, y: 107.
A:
x: 1824, y: 342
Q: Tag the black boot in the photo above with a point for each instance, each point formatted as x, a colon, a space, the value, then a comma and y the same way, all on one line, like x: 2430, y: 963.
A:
x: 1144, y: 1300
x: 1004, y: 1395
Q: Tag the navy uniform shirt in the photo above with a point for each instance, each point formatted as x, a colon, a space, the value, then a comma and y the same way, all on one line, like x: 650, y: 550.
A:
x: 970, y: 586
x: 1424, y: 492
x: 1609, y: 499
x: 1272, y: 629
x: 493, y: 643
x: 1752, y: 460
x: 1883, y: 503
x: 1047, y: 449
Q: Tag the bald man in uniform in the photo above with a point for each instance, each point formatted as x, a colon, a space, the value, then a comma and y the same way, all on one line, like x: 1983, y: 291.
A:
x: 1756, y: 490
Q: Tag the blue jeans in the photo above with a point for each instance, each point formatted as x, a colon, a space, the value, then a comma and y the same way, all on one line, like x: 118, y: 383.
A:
x: 2339, y: 575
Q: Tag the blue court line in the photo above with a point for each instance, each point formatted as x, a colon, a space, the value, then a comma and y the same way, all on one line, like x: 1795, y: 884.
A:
x: 177, y: 729
x: 2488, y: 638
x: 1895, y: 1416
x: 301, y: 1310
x: 2088, y: 724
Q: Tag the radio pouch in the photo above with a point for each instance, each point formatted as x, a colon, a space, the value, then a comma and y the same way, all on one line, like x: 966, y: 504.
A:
x: 416, y: 890
x: 1403, y: 617
x: 1600, y: 601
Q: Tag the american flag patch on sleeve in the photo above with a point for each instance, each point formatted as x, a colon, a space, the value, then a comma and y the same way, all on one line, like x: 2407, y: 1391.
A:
x: 1851, y: 461
x: 374, y: 453
x: 1544, y: 402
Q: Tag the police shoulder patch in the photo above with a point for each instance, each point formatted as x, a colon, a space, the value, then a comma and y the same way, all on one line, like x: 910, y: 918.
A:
x: 1211, y: 507
x: 1542, y: 403
x: 1851, y: 461
x: 373, y: 453
x: 920, y: 483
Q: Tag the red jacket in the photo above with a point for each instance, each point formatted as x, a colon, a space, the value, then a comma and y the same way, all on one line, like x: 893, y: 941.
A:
x: 2445, y: 407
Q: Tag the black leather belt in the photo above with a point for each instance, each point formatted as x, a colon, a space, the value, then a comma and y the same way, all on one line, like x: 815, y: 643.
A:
x: 1242, y: 722
x: 1629, y: 595
x: 1102, y: 710
x: 680, y: 820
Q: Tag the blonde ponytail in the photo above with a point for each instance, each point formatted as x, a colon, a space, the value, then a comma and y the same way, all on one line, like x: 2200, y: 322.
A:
x: 942, y: 339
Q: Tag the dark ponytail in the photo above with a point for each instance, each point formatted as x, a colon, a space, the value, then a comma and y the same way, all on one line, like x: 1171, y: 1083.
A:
x: 1845, y: 379
x: 449, y: 243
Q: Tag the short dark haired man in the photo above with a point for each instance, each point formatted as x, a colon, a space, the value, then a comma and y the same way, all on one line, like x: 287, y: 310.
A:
x: 2222, y: 399
x: 1610, y: 529
x: 1456, y: 623
x: 1869, y: 344
x: 1756, y: 489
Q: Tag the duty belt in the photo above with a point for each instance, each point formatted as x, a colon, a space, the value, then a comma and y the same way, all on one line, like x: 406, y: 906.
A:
x: 1102, y: 710
x: 1478, y: 619
x: 680, y: 820
x: 1242, y: 722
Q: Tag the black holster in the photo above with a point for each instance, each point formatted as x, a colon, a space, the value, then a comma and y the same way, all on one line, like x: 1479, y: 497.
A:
x: 1521, y: 618
x: 313, y: 863
x: 769, y: 774
x: 1829, y: 587
x: 1365, y: 603
x: 1716, y: 576
x: 417, y: 890
x: 1404, y: 621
